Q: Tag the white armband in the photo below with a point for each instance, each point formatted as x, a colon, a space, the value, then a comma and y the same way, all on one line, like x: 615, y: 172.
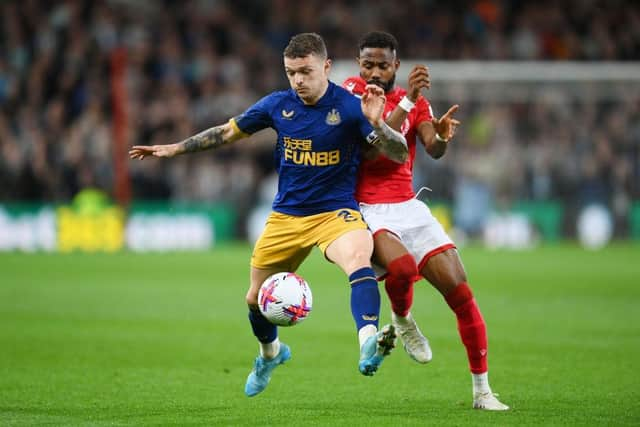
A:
x: 406, y: 104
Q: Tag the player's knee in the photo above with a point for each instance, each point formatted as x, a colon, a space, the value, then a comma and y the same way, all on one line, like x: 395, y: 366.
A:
x: 464, y: 290
x: 251, y: 299
x: 459, y: 295
x: 357, y: 259
x: 460, y: 278
x: 403, y: 268
x: 454, y: 283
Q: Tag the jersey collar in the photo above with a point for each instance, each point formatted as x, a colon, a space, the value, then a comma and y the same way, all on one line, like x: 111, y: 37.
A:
x: 325, y: 99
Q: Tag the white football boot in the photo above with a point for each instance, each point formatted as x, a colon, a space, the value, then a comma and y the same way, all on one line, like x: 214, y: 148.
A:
x: 488, y: 401
x: 415, y: 344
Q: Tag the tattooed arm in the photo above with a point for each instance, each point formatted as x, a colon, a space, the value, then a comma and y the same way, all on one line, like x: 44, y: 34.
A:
x: 389, y: 142
x: 210, y: 138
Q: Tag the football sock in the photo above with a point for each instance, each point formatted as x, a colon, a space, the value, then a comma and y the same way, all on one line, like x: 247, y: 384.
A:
x: 365, y: 332
x: 270, y: 350
x: 365, y: 298
x: 471, y: 326
x: 480, y: 383
x: 265, y: 331
x: 402, y: 272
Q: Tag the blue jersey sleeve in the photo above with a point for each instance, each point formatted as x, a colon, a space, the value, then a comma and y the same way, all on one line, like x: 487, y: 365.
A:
x: 258, y: 116
x: 355, y: 110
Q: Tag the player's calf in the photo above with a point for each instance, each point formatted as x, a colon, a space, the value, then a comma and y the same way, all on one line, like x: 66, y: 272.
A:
x: 471, y: 326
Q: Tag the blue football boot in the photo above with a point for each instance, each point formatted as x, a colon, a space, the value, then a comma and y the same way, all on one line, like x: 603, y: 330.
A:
x: 259, y: 377
x: 375, y: 349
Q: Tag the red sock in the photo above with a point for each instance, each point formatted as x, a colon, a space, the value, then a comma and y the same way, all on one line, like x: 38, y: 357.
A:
x: 402, y: 272
x: 471, y: 326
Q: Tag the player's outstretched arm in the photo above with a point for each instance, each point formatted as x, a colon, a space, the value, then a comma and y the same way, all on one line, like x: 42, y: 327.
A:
x: 437, y: 133
x: 211, y: 138
x: 391, y: 143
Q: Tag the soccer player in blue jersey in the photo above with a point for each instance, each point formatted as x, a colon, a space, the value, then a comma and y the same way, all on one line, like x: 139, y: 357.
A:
x: 320, y: 128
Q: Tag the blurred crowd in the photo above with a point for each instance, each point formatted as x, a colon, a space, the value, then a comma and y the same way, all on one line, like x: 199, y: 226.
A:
x: 579, y: 153
x: 193, y: 64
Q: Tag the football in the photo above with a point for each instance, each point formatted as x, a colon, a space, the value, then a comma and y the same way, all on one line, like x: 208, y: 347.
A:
x: 285, y: 299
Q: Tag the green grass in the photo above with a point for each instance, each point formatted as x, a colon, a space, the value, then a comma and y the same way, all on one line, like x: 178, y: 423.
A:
x: 131, y: 339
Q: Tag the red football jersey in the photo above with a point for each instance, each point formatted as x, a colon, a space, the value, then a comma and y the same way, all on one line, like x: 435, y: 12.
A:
x: 381, y: 180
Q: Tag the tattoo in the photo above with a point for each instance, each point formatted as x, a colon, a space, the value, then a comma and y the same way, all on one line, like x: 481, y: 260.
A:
x: 210, y: 138
x: 390, y: 142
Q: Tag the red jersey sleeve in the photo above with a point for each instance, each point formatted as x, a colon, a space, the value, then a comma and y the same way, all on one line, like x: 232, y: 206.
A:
x: 423, y: 112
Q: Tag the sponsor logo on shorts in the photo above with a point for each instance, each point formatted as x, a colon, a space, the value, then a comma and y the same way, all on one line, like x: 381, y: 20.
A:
x: 347, y: 216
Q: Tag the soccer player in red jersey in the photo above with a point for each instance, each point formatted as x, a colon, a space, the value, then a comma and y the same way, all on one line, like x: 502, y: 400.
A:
x: 409, y: 242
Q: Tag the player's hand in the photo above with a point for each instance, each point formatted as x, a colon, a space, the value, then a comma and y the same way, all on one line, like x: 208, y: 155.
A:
x: 446, y: 125
x: 418, y: 79
x: 142, y: 151
x: 372, y: 102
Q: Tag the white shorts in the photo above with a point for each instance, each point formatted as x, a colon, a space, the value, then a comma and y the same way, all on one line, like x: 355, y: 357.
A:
x: 415, y: 226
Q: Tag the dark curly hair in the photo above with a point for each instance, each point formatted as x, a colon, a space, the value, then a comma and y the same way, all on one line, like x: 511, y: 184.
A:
x: 378, y: 39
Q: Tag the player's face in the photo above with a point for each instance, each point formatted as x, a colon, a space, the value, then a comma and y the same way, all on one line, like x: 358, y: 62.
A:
x: 378, y: 66
x: 308, y: 76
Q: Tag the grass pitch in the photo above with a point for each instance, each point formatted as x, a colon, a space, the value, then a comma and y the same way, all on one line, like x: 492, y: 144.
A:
x: 132, y: 339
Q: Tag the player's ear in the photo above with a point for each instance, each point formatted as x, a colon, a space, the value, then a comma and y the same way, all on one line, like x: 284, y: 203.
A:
x: 327, y: 65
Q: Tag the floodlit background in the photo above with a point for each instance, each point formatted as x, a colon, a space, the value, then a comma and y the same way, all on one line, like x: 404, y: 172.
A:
x: 549, y: 95
x: 122, y: 283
